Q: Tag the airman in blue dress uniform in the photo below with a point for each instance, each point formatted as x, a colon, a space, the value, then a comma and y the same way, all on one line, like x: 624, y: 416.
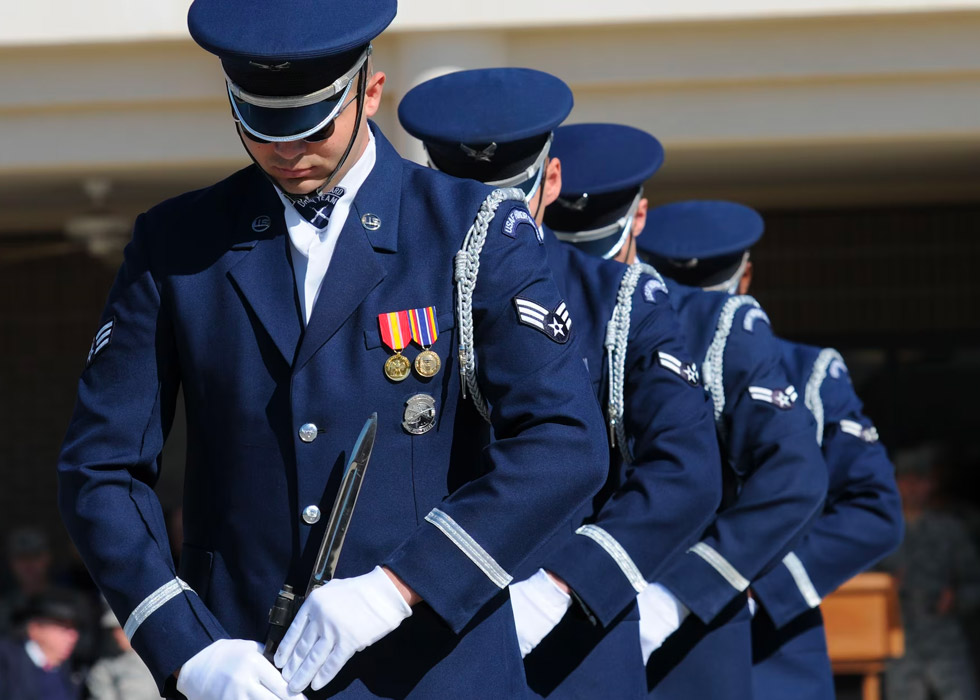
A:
x: 496, y: 125
x: 861, y: 520
x: 289, y: 302
x: 774, y: 478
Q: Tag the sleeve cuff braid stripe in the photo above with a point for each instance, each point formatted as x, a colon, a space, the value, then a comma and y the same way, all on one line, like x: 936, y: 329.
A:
x: 470, y: 547
x: 616, y: 551
x: 153, y: 602
x: 721, y: 565
x: 802, y: 579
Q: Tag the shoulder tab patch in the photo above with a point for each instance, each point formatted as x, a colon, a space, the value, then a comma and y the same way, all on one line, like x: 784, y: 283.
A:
x: 555, y: 324
x: 688, y: 371
x: 754, y: 315
x: 516, y: 218
x: 651, y: 288
x: 852, y: 427
x: 780, y: 398
x: 837, y: 368
x: 101, y: 340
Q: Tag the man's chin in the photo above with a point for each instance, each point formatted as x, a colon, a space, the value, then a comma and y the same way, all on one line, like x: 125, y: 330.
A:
x: 301, y: 184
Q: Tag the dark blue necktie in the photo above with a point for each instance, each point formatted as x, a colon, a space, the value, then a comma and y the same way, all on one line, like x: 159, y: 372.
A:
x: 317, y: 208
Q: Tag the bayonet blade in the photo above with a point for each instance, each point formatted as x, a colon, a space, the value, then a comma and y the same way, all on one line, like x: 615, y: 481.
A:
x: 343, y: 506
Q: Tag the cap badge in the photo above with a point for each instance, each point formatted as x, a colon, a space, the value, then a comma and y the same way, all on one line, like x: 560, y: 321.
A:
x: 578, y: 205
x: 274, y: 68
x: 483, y: 156
x: 371, y: 222
x: 261, y: 224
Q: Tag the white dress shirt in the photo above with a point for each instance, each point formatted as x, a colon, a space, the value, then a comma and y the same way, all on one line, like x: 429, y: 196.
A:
x: 312, y: 248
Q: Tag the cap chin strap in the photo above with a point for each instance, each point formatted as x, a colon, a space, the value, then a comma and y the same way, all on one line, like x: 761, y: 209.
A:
x: 623, y: 225
x: 731, y: 284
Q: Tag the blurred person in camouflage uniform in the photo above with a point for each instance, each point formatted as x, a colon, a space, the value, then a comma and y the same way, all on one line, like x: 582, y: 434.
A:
x: 938, y: 572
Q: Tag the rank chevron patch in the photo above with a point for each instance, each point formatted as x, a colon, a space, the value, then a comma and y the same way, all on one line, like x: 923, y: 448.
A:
x: 780, y: 398
x: 687, y: 371
x: 101, y: 340
x: 852, y: 427
x: 555, y: 324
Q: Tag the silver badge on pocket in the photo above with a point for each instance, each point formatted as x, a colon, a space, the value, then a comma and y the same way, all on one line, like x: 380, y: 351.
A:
x: 420, y: 414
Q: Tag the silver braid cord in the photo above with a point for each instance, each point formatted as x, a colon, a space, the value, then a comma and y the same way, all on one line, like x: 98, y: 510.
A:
x: 713, y: 367
x: 617, y: 341
x: 811, y: 395
x: 467, y: 268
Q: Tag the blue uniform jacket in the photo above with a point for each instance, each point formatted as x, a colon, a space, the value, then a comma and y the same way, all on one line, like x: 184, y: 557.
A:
x: 861, y: 520
x: 861, y: 523
x: 206, y: 300
x: 779, y: 481
x: 654, y: 507
x: 650, y: 509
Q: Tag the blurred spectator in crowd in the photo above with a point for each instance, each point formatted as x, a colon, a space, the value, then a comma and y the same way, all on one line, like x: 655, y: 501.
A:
x: 29, y: 558
x: 938, y: 573
x: 123, y: 675
x: 33, y: 662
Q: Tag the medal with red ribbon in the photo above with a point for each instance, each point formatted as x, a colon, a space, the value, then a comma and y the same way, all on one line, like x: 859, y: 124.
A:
x: 396, y: 333
x: 425, y: 331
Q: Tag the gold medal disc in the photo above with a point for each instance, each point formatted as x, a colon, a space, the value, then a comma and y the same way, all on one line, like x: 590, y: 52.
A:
x: 428, y: 364
x: 397, y: 367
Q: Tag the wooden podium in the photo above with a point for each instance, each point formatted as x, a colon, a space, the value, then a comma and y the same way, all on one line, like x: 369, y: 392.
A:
x: 864, y: 629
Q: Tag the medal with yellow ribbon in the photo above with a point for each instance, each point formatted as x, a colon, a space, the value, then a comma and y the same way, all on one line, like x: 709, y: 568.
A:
x: 396, y: 333
x: 425, y: 331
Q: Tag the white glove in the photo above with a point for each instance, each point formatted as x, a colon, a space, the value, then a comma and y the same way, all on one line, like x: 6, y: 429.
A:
x: 660, y: 616
x: 753, y: 606
x: 335, y: 622
x: 539, y: 604
x: 232, y: 669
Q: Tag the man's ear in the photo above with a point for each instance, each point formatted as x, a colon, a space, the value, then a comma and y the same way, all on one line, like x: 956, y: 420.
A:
x: 552, y: 181
x: 372, y: 95
x: 746, y: 281
x: 640, y: 218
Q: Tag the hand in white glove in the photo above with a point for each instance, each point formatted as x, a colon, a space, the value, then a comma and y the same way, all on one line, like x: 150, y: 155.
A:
x: 539, y: 604
x: 232, y: 669
x: 660, y: 616
x: 335, y: 622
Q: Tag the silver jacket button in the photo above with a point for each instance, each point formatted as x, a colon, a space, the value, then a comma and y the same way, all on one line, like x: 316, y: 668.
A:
x: 311, y: 515
x: 308, y: 432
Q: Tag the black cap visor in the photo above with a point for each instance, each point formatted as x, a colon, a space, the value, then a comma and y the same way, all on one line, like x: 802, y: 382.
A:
x: 279, y: 124
x: 606, y: 241
x: 291, y: 118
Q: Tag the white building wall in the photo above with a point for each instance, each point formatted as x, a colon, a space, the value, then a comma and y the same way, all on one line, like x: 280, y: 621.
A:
x: 795, y: 103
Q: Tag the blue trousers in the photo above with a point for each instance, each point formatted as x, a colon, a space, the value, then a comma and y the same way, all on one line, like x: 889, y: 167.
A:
x: 705, y: 662
x: 791, y: 662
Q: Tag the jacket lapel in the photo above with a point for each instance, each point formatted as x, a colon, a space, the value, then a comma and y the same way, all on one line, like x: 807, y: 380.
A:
x: 264, y: 275
x: 357, y: 267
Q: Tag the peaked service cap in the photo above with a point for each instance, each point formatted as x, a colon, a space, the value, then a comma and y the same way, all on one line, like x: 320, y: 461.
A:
x: 603, y: 170
x: 491, y: 124
x: 288, y: 64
